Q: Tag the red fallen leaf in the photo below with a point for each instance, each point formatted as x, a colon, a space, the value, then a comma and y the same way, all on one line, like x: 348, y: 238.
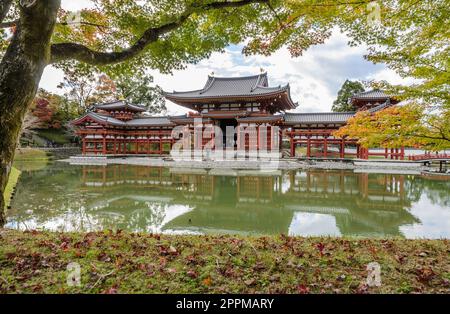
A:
x: 400, y: 258
x: 10, y: 255
x: 64, y: 246
x: 37, y: 288
x: 425, y: 274
x: 320, y: 246
x: 302, y: 289
x: 171, y: 270
x: 362, y: 289
x: 192, y: 274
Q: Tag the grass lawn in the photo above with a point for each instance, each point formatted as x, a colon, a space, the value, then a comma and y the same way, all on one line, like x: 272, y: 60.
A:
x: 121, y: 262
x: 12, y: 181
x: 30, y: 154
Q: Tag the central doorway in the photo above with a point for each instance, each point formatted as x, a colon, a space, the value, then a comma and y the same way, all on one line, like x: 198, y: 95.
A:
x: 223, y: 123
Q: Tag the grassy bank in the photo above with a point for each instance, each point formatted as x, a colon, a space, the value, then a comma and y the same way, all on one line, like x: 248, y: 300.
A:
x: 12, y: 181
x: 30, y: 154
x: 120, y: 262
x: 27, y: 159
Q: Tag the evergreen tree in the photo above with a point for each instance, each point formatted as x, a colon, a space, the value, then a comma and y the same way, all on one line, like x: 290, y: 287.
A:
x: 348, y: 89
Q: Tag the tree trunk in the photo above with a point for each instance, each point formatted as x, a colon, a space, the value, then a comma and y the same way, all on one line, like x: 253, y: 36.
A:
x: 20, y: 73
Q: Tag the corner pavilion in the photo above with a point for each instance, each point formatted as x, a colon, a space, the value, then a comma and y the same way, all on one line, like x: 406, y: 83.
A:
x: 247, y: 104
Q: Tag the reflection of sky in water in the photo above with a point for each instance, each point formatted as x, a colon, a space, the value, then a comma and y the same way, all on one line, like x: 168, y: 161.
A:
x: 308, y: 224
x: 434, y: 220
x: 96, y: 219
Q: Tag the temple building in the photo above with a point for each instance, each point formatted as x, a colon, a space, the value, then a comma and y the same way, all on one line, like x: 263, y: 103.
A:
x: 256, y: 113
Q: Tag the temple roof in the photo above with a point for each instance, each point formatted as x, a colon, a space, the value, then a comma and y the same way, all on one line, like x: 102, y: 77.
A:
x: 120, y: 104
x: 379, y: 107
x: 223, y: 89
x: 319, y: 117
x: 371, y: 94
x: 137, y: 122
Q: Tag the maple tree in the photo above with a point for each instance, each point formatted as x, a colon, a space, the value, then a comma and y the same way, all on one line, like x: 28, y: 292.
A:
x: 399, y: 126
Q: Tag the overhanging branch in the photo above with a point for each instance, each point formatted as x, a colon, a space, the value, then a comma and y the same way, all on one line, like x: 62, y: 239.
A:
x: 65, y: 51
x: 4, y: 8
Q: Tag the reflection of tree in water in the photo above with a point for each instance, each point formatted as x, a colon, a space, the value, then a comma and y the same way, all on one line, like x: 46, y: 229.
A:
x: 437, y: 191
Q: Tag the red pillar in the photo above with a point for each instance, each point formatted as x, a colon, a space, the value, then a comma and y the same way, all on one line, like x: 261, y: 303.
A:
x: 342, y: 148
x: 308, y: 146
x: 402, y: 153
x: 257, y: 137
x: 325, y: 147
x: 104, y: 145
x: 136, y: 150
x: 83, y: 140
x: 292, y: 145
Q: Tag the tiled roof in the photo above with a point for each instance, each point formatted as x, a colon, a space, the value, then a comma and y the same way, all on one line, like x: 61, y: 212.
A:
x: 149, y: 121
x: 106, y: 119
x: 231, y: 86
x: 372, y: 94
x: 144, y: 121
x: 382, y: 106
x: 321, y: 117
x: 120, y: 104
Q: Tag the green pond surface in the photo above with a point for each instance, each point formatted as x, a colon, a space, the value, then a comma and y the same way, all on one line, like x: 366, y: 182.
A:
x: 65, y: 197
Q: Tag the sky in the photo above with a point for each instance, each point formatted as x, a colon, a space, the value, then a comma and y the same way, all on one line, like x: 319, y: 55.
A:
x: 314, y: 78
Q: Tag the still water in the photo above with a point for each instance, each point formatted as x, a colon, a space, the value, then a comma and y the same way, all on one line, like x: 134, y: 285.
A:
x: 172, y: 200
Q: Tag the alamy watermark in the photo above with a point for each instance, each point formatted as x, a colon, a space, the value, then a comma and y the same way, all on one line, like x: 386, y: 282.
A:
x: 374, y: 16
x: 73, y: 278
x: 374, y: 275
x: 207, y: 141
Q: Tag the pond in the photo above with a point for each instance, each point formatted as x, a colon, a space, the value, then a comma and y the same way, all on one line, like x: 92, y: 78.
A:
x: 187, y: 201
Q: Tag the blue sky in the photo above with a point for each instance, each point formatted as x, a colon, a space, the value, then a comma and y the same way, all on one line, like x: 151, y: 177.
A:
x: 314, y: 78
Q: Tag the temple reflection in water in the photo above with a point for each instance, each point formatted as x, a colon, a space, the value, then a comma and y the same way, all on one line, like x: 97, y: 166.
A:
x: 294, y: 202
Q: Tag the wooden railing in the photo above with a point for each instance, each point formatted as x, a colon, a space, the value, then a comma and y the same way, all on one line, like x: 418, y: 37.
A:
x: 428, y: 156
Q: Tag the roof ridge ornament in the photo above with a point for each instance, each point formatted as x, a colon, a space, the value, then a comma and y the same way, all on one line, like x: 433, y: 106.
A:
x: 262, y: 72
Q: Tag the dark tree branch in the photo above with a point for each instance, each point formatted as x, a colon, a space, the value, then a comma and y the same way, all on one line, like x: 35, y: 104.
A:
x: 4, y: 8
x: 65, y: 51
x: 8, y: 24
x: 14, y: 23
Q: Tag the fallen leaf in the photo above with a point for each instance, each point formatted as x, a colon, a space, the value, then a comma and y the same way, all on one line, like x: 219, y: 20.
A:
x: 207, y: 281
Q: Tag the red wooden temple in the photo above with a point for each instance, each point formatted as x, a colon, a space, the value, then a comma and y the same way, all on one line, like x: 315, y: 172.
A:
x: 256, y: 111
